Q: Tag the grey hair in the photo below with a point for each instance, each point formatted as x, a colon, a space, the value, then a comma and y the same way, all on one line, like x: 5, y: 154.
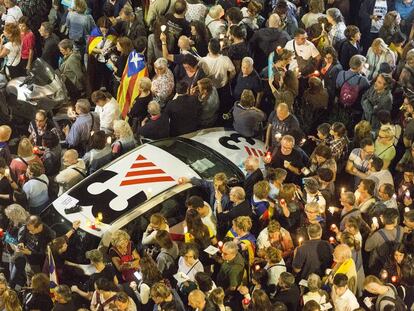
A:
x: 16, y: 214
x: 349, y: 197
x: 161, y: 62
x: 66, y: 44
x: 238, y: 192
x: 84, y: 105
x: 357, y: 61
x: 248, y: 60
x: 335, y: 14
x: 231, y: 246
x: 154, y: 108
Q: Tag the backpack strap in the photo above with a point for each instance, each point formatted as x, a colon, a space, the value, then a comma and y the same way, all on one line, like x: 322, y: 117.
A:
x: 346, y: 80
x: 23, y: 160
x: 191, y: 266
x: 384, y: 237
x: 41, y: 180
x: 79, y: 171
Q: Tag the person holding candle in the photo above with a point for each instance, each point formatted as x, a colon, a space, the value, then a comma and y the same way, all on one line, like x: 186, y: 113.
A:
x: 394, y: 264
x: 274, y: 236
x: 381, y: 243
x: 314, y: 255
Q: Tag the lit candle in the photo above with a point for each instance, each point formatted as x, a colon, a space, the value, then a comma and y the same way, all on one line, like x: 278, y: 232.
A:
x: 384, y: 274
x: 407, y: 194
x: 220, y: 244
x: 278, y: 136
x: 282, y: 201
x: 316, y: 73
x: 100, y: 216
x: 303, y: 141
x: 406, y: 209
x: 109, y: 140
x: 185, y: 229
x: 342, y: 190
x: 366, y: 66
x: 333, y: 227
x: 7, y: 172
x: 331, y: 209
x: 93, y: 226
x: 394, y: 279
x: 375, y: 221
x: 268, y: 156
x: 257, y: 267
x: 35, y: 149
x: 92, y: 132
x: 300, y: 240
x: 163, y: 28
x: 323, y: 26
x: 332, y: 240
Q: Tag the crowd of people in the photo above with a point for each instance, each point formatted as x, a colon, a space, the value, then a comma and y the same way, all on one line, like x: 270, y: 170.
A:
x: 328, y: 86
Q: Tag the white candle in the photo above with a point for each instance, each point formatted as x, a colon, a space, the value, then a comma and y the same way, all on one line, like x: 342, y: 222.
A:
x: 163, y: 28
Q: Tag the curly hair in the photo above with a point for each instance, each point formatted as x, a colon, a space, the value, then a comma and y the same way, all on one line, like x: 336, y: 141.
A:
x: 119, y: 236
x: 16, y: 214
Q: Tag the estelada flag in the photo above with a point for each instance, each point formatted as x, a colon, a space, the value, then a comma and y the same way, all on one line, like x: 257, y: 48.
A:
x: 128, y: 90
x: 52, y: 272
x: 96, y: 38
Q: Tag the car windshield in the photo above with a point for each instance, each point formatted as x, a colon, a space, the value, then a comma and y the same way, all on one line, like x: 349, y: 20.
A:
x: 78, y: 244
x: 203, y: 160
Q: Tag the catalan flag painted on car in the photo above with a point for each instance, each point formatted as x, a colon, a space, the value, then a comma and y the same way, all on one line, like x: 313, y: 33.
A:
x: 128, y: 90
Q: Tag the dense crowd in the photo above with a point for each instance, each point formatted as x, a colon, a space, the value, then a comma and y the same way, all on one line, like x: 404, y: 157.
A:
x: 328, y: 86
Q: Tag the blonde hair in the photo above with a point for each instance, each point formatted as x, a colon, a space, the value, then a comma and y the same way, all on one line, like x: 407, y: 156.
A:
x: 273, y: 254
x: 16, y: 214
x: 243, y: 223
x: 217, y: 296
x: 261, y: 189
x: 379, y: 42
x: 11, y: 301
x: 160, y: 290
x: 118, y: 236
x: 145, y: 83
x: 273, y: 226
x: 25, y: 148
x: 5, y: 133
x: 158, y: 219
x: 221, y: 177
x: 123, y: 128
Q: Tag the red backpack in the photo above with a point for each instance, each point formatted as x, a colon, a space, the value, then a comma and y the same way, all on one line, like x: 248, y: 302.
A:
x: 349, y: 94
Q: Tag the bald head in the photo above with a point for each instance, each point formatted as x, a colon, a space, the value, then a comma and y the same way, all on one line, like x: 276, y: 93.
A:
x: 274, y: 21
x: 251, y: 164
x: 5, y: 133
x: 341, y: 253
x: 237, y: 194
x: 282, y: 111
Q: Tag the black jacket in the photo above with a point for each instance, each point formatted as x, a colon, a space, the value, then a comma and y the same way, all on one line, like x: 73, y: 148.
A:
x: 329, y: 79
x: 155, y: 129
x: 184, y: 113
x: 346, y: 52
x: 250, y: 181
x: 243, y: 209
x: 263, y: 42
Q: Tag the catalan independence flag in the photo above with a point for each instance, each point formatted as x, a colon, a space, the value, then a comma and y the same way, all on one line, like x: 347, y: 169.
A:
x: 52, y: 271
x: 135, y: 69
x: 248, y: 240
x: 96, y: 38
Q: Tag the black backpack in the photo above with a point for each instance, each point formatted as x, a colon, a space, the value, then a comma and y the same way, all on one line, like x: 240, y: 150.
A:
x: 398, y: 302
x: 385, y: 250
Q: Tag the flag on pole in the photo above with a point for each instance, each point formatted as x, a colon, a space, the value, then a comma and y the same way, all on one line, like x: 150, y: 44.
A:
x: 52, y: 271
x: 128, y: 90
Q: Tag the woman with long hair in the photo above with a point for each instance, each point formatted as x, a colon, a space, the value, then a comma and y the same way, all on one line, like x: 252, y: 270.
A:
x: 336, y: 34
x: 198, y: 233
x: 379, y: 53
x: 329, y: 72
x: 25, y: 156
x: 125, y: 140
x: 390, y: 26
x: 139, y: 111
x: 200, y: 37
x: 99, y: 152
x: 150, y: 276
x: 12, y: 50
x: 11, y: 301
x: 124, y: 47
x: 39, y: 297
x: 210, y: 102
x: 288, y: 90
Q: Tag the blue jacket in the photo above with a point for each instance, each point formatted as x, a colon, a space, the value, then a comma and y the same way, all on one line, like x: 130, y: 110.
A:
x: 208, y: 186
